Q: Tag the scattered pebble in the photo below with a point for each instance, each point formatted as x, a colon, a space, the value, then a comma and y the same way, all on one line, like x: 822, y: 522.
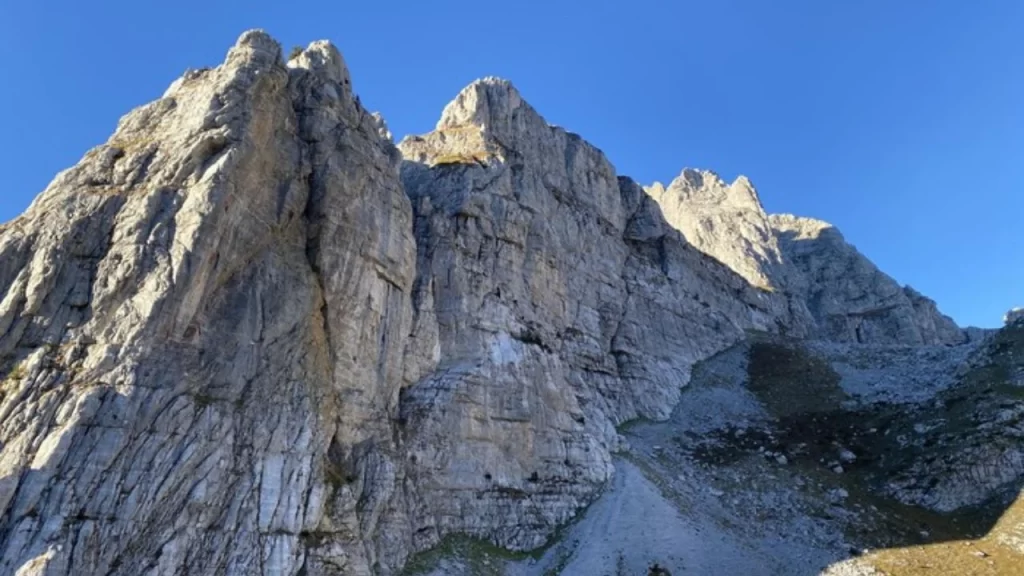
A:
x: 837, y: 469
x: 847, y: 456
x: 716, y: 492
x: 838, y: 495
x: 781, y: 459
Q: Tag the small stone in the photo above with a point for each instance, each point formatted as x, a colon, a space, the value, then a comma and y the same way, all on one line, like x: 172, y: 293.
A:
x: 781, y: 459
x: 979, y: 554
x: 716, y: 492
x: 847, y: 456
x: 837, y: 469
x: 838, y: 495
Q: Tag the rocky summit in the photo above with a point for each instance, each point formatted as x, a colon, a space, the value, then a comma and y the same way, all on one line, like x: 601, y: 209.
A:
x: 250, y: 334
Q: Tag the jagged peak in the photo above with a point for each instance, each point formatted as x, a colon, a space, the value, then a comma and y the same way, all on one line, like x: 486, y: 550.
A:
x: 324, y: 59
x: 487, y: 102
x: 698, y: 178
x: 255, y: 46
x: 707, y: 187
x: 804, y: 227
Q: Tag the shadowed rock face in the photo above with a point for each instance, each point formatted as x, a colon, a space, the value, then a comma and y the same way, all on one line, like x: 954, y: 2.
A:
x: 249, y: 335
x: 817, y: 284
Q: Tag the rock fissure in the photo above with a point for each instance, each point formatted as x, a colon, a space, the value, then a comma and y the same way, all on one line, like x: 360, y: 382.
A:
x: 277, y: 343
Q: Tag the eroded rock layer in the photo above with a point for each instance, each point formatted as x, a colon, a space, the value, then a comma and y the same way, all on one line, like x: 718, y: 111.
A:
x: 249, y: 335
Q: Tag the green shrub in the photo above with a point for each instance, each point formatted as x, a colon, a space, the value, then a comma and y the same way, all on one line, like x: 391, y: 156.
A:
x: 656, y: 570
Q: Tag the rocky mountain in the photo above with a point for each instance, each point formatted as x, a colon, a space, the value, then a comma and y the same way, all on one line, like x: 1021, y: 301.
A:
x: 251, y: 335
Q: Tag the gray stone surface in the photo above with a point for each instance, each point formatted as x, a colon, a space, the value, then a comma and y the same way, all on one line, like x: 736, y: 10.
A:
x: 1014, y: 316
x: 849, y: 297
x: 814, y: 283
x: 204, y: 326
x: 250, y: 335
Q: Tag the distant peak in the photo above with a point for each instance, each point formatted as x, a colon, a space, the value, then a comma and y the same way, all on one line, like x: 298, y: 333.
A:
x: 488, y: 102
x: 707, y: 186
x: 697, y: 178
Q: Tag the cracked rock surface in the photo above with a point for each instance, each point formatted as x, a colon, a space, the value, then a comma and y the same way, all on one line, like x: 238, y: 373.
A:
x: 250, y: 335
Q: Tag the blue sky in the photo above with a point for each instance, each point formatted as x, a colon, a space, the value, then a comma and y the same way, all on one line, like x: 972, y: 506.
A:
x: 900, y: 122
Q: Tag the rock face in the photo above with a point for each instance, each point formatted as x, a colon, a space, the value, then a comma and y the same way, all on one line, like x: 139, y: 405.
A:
x: 1014, y: 316
x: 563, y: 304
x: 726, y: 221
x: 818, y: 285
x: 204, y: 324
x: 850, y: 298
x: 249, y: 335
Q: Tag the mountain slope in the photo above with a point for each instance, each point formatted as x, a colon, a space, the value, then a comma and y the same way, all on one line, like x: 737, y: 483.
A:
x: 250, y: 335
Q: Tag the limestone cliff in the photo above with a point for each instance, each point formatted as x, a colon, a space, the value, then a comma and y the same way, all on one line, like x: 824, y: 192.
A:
x: 819, y: 285
x: 249, y: 335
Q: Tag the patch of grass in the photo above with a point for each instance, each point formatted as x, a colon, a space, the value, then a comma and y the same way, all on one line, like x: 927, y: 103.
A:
x: 630, y: 424
x: 202, y: 401
x: 16, y: 373
x: 989, y: 555
x: 789, y: 380
x: 12, y: 379
x: 460, y: 158
x: 483, y: 558
x: 131, y: 142
x: 657, y: 570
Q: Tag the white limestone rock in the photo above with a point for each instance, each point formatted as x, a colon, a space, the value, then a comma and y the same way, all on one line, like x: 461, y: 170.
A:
x: 852, y: 300
x: 203, y: 331
x: 250, y: 335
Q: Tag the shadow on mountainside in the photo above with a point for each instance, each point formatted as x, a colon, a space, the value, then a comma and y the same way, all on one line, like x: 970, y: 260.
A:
x: 781, y: 469
x: 923, y: 487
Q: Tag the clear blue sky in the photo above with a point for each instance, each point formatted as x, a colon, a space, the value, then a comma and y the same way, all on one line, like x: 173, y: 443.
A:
x: 900, y: 122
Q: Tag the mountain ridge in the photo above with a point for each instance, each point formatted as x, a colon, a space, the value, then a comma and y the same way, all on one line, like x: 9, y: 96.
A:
x: 254, y: 335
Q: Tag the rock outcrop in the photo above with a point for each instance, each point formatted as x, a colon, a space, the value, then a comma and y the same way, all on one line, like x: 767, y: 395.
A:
x: 817, y: 284
x: 1014, y: 316
x: 564, y: 305
x: 249, y: 335
x: 850, y: 298
x: 203, y: 325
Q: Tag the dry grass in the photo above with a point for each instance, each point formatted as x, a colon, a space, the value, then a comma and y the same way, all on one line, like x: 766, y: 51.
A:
x: 460, y: 158
x: 985, y: 556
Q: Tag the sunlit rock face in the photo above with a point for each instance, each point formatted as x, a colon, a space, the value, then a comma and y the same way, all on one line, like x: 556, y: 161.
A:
x: 250, y: 335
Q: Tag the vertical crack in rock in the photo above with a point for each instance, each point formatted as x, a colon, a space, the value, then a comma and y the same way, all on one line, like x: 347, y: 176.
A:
x: 250, y: 335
